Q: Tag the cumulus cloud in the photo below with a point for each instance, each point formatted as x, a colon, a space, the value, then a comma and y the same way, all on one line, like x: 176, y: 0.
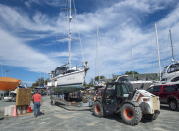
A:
x: 14, y: 52
x: 18, y: 20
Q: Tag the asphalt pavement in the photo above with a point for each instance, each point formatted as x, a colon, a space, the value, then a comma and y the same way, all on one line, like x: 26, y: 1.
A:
x: 59, y: 119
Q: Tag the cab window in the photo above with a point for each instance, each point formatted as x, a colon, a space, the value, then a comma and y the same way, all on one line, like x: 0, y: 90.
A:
x: 122, y: 89
x: 150, y: 90
x: 170, y: 88
x: 156, y: 89
x: 110, y: 92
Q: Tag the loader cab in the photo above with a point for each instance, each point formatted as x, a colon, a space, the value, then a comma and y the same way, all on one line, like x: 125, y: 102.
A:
x: 118, y: 89
x: 124, y: 90
x: 115, y: 94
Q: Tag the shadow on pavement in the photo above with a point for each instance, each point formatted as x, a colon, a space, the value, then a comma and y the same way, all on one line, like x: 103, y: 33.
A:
x: 118, y: 118
x: 115, y: 117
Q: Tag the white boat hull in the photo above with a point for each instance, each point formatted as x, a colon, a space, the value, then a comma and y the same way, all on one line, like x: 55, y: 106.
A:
x: 52, y: 83
x: 74, y: 78
x: 168, y: 77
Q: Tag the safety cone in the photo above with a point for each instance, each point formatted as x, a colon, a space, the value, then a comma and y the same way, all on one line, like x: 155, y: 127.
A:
x: 29, y: 109
x: 14, y: 111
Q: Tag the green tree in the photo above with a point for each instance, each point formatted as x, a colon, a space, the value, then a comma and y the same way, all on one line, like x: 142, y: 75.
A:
x: 131, y: 73
x: 39, y: 82
x: 97, y: 78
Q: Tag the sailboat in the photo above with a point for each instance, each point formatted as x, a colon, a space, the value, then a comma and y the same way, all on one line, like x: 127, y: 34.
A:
x: 67, y: 75
x: 171, y: 72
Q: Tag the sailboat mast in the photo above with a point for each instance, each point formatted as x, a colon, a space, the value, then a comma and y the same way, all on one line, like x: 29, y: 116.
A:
x: 69, y: 34
x: 158, y: 50
x: 171, y: 45
x: 97, y: 44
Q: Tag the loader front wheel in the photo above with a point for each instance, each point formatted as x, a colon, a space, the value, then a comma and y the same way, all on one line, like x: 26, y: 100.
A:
x: 155, y: 115
x: 98, y: 109
x: 130, y: 114
x: 151, y: 117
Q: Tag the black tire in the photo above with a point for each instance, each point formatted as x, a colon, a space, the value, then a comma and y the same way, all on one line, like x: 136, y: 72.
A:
x: 130, y: 114
x: 173, y: 105
x: 151, y: 117
x: 155, y: 115
x: 97, y: 109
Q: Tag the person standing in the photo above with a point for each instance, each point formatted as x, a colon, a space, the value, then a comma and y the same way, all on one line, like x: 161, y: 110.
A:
x: 37, y: 101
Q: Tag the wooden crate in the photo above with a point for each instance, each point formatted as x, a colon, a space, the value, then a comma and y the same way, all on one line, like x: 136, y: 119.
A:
x: 23, y: 96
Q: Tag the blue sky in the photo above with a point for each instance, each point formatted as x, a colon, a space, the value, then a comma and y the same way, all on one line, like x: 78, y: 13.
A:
x: 33, y: 36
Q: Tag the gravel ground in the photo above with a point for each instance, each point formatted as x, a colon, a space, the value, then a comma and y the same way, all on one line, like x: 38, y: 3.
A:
x: 59, y: 119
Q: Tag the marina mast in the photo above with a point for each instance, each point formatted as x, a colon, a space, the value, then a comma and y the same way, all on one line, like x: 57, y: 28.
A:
x: 69, y: 33
x: 158, y: 50
x: 173, y: 59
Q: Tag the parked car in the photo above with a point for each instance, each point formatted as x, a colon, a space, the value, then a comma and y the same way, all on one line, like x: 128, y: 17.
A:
x: 11, y: 97
x: 8, y: 98
x: 168, y: 93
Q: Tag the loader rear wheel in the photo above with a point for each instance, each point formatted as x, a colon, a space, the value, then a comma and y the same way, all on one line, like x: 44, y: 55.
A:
x: 130, y: 114
x: 98, y: 109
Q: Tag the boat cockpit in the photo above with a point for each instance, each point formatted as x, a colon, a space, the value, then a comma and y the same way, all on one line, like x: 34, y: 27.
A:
x: 173, y: 68
x: 171, y: 73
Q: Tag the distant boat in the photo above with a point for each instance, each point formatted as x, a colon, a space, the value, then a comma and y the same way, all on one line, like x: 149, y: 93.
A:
x: 67, y: 75
x: 171, y: 72
x: 8, y: 83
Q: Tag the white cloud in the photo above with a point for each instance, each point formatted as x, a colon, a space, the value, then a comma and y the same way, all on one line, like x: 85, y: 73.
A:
x: 18, y: 21
x: 124, y: 45
x: 171, y: 20
x: 53, y: 3
x: 14, y: 52
x: 58, y: 54
x: 146, y: 6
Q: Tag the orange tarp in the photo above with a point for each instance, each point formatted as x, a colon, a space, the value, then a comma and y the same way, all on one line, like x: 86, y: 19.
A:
x: 7, y: 83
